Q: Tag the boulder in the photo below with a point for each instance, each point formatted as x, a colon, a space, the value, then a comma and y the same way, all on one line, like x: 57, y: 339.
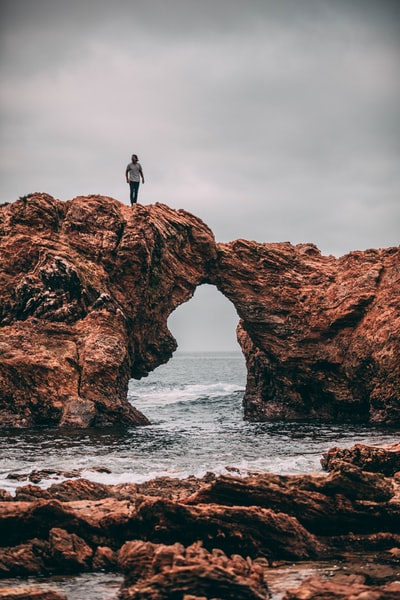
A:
x: 376, y: 459
x: 256, y: 521
x: 157, y: 572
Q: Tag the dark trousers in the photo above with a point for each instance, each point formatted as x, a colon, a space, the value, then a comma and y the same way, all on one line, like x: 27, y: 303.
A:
x: 134, y: 186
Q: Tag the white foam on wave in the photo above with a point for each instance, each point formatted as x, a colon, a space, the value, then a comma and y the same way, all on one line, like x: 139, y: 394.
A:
x: 186, y: 393
x: 242, y: 468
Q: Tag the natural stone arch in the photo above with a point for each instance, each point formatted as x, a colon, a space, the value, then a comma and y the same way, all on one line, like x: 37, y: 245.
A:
x: 88, y: 286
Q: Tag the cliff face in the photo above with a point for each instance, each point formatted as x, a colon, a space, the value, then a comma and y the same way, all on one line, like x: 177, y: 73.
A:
x: 86, y: 290
x: 321, y: 335
x: 87, y: 287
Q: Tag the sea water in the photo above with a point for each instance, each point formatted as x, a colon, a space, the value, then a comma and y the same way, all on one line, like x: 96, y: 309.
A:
x: 194, y: 403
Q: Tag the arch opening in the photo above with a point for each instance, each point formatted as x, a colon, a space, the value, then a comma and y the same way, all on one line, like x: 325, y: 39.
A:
x: 194, y: 401
x: 206, y: 323
x: 208, y: 367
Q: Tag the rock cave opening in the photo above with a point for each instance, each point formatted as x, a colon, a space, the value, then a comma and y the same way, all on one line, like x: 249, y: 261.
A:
x: 208, y: 360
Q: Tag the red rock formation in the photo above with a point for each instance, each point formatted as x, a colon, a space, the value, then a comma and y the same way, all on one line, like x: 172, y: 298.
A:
x: 376, y: 459
x: 250, y: 531
x: 87, y: 287
x: 309, y: 499
x: 173, y: 571
x: 321, y: 335
x: 189, y: 536
x: 266, y: 516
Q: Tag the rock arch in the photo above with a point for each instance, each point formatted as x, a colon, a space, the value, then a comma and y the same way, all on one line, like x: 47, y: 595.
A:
x: 88, y: 285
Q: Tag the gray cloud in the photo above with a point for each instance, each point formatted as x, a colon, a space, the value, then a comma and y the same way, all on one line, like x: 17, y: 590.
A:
x: 270, y: 120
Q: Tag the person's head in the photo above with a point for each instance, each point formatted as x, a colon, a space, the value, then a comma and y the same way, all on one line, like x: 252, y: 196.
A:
x: 134, y: 158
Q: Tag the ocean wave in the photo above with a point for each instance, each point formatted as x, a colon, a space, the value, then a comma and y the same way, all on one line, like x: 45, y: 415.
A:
x: 241, y: 468
x: 161, y: 395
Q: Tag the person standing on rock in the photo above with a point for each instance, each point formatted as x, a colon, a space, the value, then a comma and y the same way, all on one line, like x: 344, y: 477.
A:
x: 134, y: 174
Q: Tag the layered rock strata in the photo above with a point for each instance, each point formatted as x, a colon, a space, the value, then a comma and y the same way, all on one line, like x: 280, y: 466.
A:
x: 227, y: 534
x: 87, y: 287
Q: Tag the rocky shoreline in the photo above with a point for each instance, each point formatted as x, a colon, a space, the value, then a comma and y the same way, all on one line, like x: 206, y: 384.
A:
x: 215, y: 537
x: 87, y: 287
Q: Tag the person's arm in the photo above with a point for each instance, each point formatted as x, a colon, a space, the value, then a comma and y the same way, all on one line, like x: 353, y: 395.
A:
x: 126, y: 174
x: 141, y: 174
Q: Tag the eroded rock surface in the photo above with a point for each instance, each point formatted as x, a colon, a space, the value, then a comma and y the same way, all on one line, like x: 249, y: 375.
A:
x: 154, y: 571
x: 376, y: 459
x: 86, y: 290
x: 87, y: 287
x: 321, y: 335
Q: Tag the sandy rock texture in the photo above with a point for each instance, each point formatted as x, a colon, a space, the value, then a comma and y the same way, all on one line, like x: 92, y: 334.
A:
x: 87, y: 287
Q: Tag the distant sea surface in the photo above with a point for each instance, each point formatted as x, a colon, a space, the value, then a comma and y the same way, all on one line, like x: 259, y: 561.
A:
x: 194, y: 404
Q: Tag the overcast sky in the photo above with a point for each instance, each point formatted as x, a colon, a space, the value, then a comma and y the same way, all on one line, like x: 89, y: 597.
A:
x: 272, y: 120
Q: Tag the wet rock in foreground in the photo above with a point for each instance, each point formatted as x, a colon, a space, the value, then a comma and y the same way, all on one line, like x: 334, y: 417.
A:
x: 167, y: 571
x: 224, y: 533
x: 375, y: 459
